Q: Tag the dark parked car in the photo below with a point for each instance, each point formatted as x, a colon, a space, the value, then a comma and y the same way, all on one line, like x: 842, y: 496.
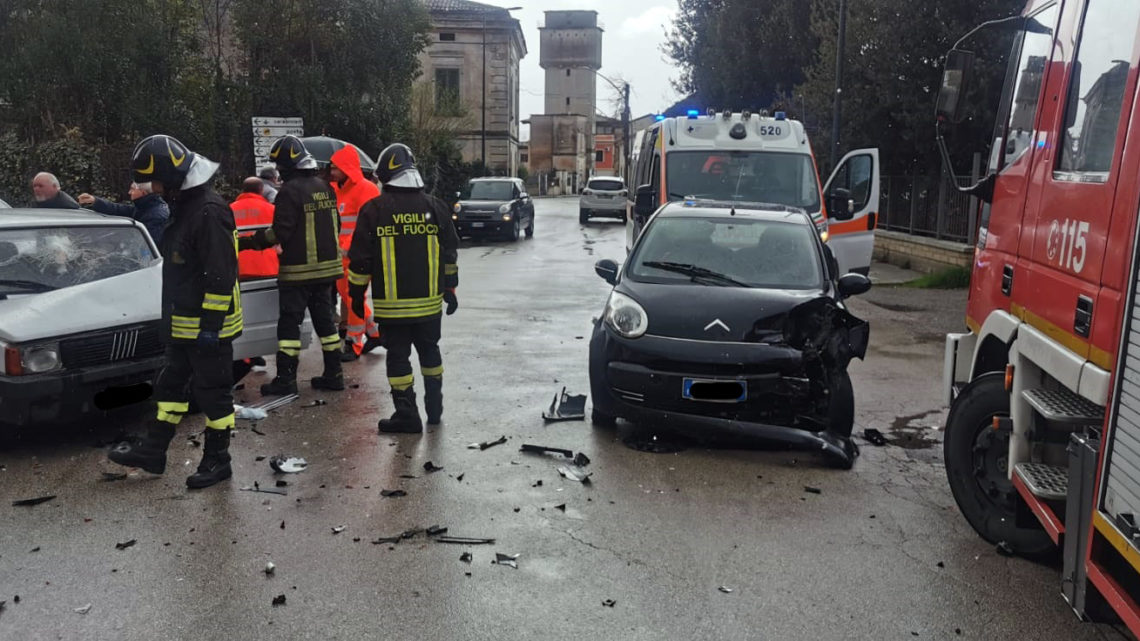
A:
x: 497, y: 206
x: 730, y: 319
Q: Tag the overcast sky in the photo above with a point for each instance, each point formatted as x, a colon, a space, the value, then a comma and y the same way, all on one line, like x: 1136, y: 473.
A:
x: 631, y: 50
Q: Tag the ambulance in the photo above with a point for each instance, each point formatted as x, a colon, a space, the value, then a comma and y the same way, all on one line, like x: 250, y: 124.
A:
x: 756, y: 158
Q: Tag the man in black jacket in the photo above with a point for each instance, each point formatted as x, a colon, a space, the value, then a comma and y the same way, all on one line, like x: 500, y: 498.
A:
x: 405, y: 245
x: 306, y: 226
x: 201, y: 309
x: 48, y: 195
x: 146, y: 207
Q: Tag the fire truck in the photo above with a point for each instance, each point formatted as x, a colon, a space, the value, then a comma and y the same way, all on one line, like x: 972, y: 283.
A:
x: 1042, y: 442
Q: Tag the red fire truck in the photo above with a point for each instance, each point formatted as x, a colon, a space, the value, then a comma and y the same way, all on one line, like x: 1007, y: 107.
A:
x: 1042, y: 442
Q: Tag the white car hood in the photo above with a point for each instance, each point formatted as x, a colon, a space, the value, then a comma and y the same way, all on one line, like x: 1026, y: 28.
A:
x: 121, y: 300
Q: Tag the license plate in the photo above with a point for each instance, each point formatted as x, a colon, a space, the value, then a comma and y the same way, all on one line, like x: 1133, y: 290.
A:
x: 476, y: 225
x: 695, y: 389
x: 605, y: 196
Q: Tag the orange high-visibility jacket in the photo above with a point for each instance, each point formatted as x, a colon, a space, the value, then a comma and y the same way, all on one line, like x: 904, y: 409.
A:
x: 351, y: 196
x: 251, y: 212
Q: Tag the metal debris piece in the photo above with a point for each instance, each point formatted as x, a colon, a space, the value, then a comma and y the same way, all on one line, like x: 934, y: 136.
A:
x: 542, y: 449
x: 575, y: 473
x: 126, y: 544
x: 320, y: 402
x: 408, y: 476
x: 565, y: 407
x: 279, y: 600
x: 460, y: 477
x: 35, y: 501
x: 874, y: 437
x: 726, y: 590
x: 609, y: 603
x: 84, y: 610
x: 466, y: 557
x: 282, y: 525
x: 812, y: 490
x: 463, y: 540
x: 288, y: 465
x: 509, y: 560
x: 114, y: 476
x: 388, y: 539
x: 1004, y: 548
x: 581, y: 460
x: 411, y: 533
x: 487, y: 444
x: 338, y: 529
x: 436, y: 530
x: 35, y: 549
x: 270, y: 568
x: 430, y: 467
x: 561, y: 507
x: 266, y: 490
x: 388, y: 494
x: 259, y: 458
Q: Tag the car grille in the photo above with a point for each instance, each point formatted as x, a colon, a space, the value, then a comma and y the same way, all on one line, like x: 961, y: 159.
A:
x: 477, y: 215
x: 121, y: 344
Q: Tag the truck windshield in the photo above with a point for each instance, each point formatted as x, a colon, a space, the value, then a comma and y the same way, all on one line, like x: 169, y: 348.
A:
x: 499, y: 190
x: 744, y: 176
x: 720, y: 251
x: 48, y: 258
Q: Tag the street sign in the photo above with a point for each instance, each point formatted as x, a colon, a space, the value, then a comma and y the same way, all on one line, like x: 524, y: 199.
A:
x: 266, y: 130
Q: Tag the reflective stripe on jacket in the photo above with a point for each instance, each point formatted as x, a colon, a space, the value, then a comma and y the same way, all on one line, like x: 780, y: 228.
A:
x: 253, y: 212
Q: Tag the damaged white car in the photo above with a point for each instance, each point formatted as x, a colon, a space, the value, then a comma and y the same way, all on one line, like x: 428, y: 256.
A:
x: 80, y: 305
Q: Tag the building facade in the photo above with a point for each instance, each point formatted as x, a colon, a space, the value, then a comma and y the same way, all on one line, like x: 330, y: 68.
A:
x: 472, y: 64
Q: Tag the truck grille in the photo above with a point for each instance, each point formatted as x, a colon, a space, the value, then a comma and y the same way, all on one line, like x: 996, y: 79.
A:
x: 111, y: 346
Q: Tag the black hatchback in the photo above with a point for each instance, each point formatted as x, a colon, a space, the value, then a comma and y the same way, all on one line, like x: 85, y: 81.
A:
x: 729, y: 319
x: 494, y: 206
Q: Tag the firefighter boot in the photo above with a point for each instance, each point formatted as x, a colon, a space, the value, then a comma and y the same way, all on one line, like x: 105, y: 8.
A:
x: 406, y: 420
x: 215, y: 465
x: 285, y: 383
x: 433, y: 399
x: 333, y: 377
x: 147, y: 452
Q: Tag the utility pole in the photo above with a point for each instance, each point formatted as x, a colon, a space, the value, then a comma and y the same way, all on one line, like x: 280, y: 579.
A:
x: 838, y: 105
x: 627, y: 140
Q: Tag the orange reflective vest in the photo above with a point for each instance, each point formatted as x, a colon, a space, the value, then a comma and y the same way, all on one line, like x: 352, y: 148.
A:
x: 352, y: 195
x: 253, y: 212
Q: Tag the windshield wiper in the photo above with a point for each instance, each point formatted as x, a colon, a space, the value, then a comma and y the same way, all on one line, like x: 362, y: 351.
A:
x: 29, y: 285
x: 694, y: 272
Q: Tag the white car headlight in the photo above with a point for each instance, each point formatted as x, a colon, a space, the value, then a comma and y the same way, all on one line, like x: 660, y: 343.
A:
x: 625, y: 316
x: 40, y: 358
x: 505, y: 209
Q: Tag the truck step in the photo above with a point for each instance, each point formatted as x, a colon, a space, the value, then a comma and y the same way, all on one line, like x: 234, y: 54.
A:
x: 1063, y: 406
x: 1044, y: 481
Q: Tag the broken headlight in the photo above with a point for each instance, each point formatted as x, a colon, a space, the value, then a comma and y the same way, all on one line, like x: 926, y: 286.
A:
x: 625, y: 316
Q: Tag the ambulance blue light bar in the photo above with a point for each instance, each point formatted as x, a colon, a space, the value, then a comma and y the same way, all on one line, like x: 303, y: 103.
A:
x: 780, y: 115
x: 659, y: 117
x: 693, y: 113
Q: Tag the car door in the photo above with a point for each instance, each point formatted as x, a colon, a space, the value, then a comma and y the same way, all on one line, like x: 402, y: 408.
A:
x: 853, y: 241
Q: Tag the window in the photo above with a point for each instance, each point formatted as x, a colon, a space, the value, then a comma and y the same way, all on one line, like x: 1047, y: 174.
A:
x: 744, y: 176
x: 599, y: 156
x: 855, y: 176
x: 567, y: 101
x: 1096, y: 90
x: 567, y: 73
x: 524, y: 158
x: 47, y: 258
x: 606, y: 184
x: 447, y: 37
x: 447, y: 90
x: 1023, y: 91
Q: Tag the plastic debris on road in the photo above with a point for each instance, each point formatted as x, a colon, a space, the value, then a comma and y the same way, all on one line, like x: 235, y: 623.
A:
x: 463, y: 540
x: 487, y: 444
x: 84, y: 609
x: 392, y: 494
x: 35, y: 501
x: 279, y: 600
x: 609, y: 603
x: 565, y: 407
x: 126, y: 544
x: 288, y: 465
x: 430, y: 468
x: 509, y: 560
x: 338, y: 529
x: 250, y: 413
x: 436, y: 530
x: 575, y: 473
x: 320, y: 402
x: 466, y: 557
x: 812, y: 490
x: 270, y: 569
x: 874, y: 437
x: 726, y: 590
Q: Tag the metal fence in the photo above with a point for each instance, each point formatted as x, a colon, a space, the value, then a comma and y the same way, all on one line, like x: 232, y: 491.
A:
x: 929, y: 205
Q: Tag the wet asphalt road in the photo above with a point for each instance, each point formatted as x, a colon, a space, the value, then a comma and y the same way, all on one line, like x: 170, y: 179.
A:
x: 880, y: 553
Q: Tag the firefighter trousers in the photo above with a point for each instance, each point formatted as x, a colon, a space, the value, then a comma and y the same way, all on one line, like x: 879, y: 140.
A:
x: 294, y: 300
x: 399, y: 339
x: 207, y: 374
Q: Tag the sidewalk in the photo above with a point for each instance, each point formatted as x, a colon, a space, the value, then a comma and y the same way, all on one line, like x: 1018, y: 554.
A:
x: 888, y: 274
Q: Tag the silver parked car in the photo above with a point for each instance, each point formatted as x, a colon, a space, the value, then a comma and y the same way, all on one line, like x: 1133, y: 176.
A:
x: 603, y: 197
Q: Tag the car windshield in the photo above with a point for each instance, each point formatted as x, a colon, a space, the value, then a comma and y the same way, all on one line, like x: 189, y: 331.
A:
x: 723, y: 251
x: 605, y: 185
x: 48, y: 258
x: 744, y: 176
x: 500, y: 190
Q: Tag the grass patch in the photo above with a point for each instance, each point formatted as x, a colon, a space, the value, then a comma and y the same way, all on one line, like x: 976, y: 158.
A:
x: 951, y: 278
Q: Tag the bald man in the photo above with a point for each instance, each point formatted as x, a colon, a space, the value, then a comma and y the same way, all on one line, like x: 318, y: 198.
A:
x: 48, y: 195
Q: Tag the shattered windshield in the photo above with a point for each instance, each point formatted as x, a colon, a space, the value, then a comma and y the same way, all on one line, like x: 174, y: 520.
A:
x: 744, y: 176
x: 723, y: 251
x: 48, y: 258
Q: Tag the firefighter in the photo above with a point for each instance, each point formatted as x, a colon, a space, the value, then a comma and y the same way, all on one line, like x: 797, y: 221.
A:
x: 201, y: 309
x: 405, y: 245
x: 305, y: 225
x: 352, y: 192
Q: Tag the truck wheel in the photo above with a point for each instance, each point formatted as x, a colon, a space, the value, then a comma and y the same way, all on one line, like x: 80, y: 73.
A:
x: 977, y: 457
x: 583, y: 216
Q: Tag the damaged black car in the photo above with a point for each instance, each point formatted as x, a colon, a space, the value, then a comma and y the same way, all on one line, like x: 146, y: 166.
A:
x: 728, y: 319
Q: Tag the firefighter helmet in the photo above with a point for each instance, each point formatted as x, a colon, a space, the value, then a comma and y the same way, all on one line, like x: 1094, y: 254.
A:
x: 161, y: 159
x: 290, y: 153
x: 396, y: 167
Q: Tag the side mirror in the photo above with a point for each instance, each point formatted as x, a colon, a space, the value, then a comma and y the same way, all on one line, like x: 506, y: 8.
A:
x: 524, y: 196
x: 607, y: 269
x: 852, y: 284
x: 839, y: 204
x: 646, y: 200
x: 956, y: 78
